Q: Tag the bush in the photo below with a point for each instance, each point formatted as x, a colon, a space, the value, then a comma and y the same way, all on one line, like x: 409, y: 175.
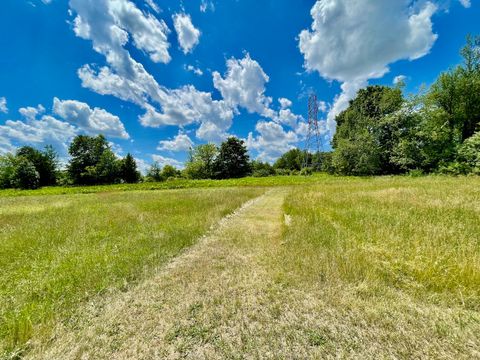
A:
x: 25, y: 175
x: 308, y: 171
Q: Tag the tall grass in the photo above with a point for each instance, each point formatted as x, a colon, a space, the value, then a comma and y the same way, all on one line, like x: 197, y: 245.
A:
x: 420, y: 236
x: 172, y: 184
x: 58, y: 252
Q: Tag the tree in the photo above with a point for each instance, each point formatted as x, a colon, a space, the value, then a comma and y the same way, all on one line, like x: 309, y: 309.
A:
x: 154, y: 174
x: 201, y: 162
x: 7, y: 171
x: 86, y: 152
x: 261, y: 169
x: 107, y: 170
x: 457, y: 93
x: 25, y: 175
x: 291, y: 160
x: 128, y: 170
x: 365, y: 135
x: 233, y: 160
x: 45, y: 162
x: 169, y: 172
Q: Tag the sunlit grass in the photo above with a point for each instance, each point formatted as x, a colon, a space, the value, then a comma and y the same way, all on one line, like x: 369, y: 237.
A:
x: 57, y: 252
x: 173, y: 184
x: 421, y: 236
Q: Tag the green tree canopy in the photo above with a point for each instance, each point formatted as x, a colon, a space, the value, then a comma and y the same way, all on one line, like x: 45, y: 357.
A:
x: 128, y: 170
x: 233, y: 160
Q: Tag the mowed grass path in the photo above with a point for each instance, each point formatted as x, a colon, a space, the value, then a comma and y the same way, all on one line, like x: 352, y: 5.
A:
x: 57, y: 252
x: 348, y: 268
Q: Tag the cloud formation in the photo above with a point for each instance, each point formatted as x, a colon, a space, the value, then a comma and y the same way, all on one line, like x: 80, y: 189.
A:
x: 188, y: 35
x: 3, y: 105
x: 92, y: 121
x: 244, y: 86
x: 181, y: 142
x: 353, y: 41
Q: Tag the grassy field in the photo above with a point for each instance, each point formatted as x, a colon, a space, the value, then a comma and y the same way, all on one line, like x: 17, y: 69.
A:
x: 172, y: 184
x: 58, y: 252
x: 320, y: 267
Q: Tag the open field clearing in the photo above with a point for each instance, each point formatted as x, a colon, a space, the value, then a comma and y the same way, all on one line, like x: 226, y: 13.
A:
x: 174, y: 184
x: 58, y: 252
x: 369, y: 268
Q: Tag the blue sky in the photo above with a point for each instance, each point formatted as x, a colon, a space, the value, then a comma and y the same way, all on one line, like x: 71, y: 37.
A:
x: 158, y: 76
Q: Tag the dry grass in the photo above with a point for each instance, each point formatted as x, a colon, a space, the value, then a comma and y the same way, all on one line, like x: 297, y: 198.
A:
x: 59, y: 252
x: 349, y: 276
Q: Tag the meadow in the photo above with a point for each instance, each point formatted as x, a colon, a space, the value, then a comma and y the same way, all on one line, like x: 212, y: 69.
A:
x: 57, y: 252
x: 317, y: 267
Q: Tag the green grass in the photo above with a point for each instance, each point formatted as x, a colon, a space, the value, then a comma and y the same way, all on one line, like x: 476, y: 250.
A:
x: 420, y: 236
x: 58, y: 252
x: 172, y: 184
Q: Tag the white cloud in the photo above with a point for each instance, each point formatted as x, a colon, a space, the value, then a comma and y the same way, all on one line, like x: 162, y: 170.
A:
x: 272, y: 140
x: 31, y: 131
x: 154, y: 6
x: 188, y: 36
x: 186, y: 106
x: 162, y: 161
x: 3, y: 105
x: 181, y: 142
x: 399, y: 79
x: 206, y: 5
x: 244, y: 86
x: 95, y: 121
x: 142, y: 165
x: 30, y: 112
x: 108, y: 23
x: 466, y: 3
x: 353, y: 41
x: 196, y: 71
x: 284, y: 103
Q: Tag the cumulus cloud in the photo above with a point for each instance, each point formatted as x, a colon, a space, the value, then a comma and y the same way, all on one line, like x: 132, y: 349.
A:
x: 162, y: 161
x: 3, y: 105
x: 272, y: 140
x: 284, y: 103
x: 108, y: 23
x: 90, y: 120
x: 186, y: 106
x: 188, y: 36
x: 33, y: 131
x: 181, y: 142
x: 466, y: 3
x: 352, y: 41
x: 244, y: 85
x: 193, y: 69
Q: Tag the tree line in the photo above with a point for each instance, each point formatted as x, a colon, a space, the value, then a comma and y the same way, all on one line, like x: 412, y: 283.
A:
x: 435, y: 131
x: 382, y: 132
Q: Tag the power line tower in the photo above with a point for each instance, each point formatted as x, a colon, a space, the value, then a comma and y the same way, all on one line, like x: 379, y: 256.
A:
x: 313, y: 140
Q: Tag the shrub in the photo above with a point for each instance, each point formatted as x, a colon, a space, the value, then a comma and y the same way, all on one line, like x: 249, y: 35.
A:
x: 25, y: 175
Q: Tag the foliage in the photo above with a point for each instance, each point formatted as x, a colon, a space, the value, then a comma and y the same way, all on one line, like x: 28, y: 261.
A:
x: 154, y: 173
x: 201, y: 162
x: 261, y: 169
x: 7, y: 171
x: 45, y: 162
x: 365, y: 136
x: 233, y: 160
x: 25, y: 175
x: 128, y: 170
x: 291, y: 160
x: 169, y: 172
x: 86, y: 152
